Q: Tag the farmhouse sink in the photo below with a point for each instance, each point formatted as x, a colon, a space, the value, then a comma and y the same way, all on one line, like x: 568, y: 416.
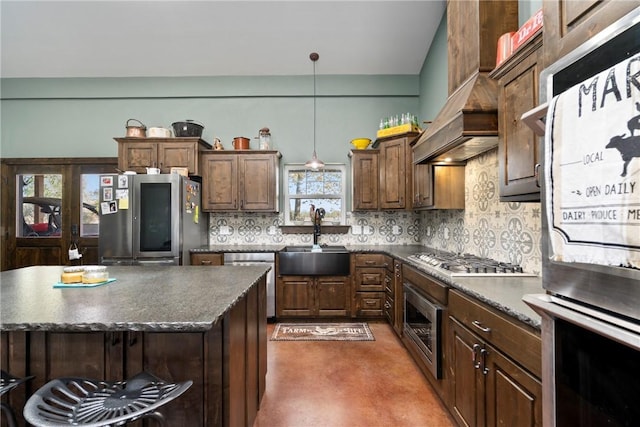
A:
x: 309, y: 249
x: 302, y: 261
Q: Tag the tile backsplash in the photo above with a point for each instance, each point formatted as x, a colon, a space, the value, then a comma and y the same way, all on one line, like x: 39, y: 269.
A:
x: 509, y: 232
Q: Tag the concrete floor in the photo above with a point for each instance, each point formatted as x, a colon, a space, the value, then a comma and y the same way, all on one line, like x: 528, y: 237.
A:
x: 347, y: 384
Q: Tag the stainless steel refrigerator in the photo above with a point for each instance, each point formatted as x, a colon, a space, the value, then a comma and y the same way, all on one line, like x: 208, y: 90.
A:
x: 150, y: 219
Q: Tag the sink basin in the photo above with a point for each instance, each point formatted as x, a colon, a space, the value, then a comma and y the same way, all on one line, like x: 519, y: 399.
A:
x: 301, y: 261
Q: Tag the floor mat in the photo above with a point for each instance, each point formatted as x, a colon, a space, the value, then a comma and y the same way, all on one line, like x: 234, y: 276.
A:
x: 322, y: 332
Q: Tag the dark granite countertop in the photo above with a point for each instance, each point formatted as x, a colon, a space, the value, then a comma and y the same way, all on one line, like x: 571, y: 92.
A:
x: 143, y: 298
x: 502, y: 293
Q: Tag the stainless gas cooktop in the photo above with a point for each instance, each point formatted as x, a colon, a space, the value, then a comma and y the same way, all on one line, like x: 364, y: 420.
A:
x: 452, y: 264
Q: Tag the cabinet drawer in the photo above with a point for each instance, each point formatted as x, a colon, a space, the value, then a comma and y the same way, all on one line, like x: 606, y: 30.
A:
x: 370, y: 304
x: 207, y: 259
x: 370, y: 279
x: 371, y: 260
x: 516, y: 339
x: 434, y: 289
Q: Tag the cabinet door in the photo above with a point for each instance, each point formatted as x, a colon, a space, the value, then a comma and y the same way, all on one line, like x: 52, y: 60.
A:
x: 422, y: 185
x: 179, y: 155
x: 258, y: 182
x: 219, y: 182
x: 207, y: 259
x: 518, y: 144
x: 333, y: 296
x: 137, y: 156
x: 569, y: 23
x: 467, y: 388
x: 366, y: 179
x: 513, y: 396
x: 294, y: 296
x: 393, y: 174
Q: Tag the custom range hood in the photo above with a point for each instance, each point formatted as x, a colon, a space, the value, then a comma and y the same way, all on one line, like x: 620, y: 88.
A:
x: 467, y: 125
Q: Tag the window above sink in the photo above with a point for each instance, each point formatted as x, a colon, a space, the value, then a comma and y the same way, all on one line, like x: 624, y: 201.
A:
x: 324, y: 188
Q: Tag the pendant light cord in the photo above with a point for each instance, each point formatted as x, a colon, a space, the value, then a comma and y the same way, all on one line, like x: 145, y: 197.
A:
x: 314, y: 107
x: 314, y: 163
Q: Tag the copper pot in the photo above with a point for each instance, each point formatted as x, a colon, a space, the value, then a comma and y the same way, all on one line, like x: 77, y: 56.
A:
x: 241, y: 143
x: 136, y: 131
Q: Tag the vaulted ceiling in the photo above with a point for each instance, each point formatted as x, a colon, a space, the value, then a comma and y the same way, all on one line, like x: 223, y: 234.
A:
x: 51, y: 38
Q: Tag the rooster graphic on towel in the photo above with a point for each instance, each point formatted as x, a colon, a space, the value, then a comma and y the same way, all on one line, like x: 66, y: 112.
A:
x: 592, y: 169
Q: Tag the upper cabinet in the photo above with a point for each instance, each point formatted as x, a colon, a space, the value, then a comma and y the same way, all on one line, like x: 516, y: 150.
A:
x: 240, y: 181
x: 137, y: 154
x: 569, y: 23
x: 365, y: 176
x: 438, y: 186
x: 382, y: 178
x: 518, y: 145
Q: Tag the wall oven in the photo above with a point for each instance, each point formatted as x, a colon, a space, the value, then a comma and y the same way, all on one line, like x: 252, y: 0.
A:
x: 423, y: 327
x: 591, y: 239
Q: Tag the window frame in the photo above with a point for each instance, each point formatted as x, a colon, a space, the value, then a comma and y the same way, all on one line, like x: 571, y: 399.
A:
x: 287, y: 197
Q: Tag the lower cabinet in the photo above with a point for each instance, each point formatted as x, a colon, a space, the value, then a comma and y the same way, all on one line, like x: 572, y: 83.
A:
x: 313, y: 296
x: 370, y: 283
x: 488, y: 386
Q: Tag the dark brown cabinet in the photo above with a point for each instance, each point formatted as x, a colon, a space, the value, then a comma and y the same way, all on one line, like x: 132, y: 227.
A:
x: 438, y: 186
x: 395, y: 173
x: 313, y: 296
x: 365, y: 176
x: 494, y: 366
x: 207, y: 259
x: 233, y: 181
x: 518, y: 145
x: 382, y: 178
x: 569, y: 23
x: 137, y: 154
x: 371, y: 280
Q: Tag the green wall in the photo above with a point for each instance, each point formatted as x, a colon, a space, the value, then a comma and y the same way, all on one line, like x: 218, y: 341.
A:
x: 80, y: 117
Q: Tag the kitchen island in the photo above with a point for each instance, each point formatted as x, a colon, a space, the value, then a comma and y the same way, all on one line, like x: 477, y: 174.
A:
x: 180, y: 323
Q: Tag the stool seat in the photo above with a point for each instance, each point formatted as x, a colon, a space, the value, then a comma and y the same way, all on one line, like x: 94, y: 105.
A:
x: 8, y: 382
x: 95, y: 403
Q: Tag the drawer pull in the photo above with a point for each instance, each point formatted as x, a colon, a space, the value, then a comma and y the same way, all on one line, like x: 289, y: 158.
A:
x: 205, y: 262
x: 478, y: 325
x: 370, y: 302
x: 370, y: 262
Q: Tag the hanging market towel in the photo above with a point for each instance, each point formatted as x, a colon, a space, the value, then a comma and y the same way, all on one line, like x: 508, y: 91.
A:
x: 592, y: 169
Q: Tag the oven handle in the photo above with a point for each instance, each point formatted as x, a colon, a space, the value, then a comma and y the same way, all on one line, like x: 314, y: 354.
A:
x: 612, y: 327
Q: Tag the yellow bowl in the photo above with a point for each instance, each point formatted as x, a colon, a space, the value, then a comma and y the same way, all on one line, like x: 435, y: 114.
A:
x: 361, y: 143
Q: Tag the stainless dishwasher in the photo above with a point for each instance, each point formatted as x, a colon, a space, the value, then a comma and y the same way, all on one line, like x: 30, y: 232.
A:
x: 258, y: 258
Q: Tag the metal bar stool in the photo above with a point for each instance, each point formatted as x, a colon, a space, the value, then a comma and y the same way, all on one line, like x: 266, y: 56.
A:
x: 92, y: 403
x: 7, y: 383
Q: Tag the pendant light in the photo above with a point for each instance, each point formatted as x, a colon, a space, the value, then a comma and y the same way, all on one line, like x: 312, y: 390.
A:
x: 314, y: 163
